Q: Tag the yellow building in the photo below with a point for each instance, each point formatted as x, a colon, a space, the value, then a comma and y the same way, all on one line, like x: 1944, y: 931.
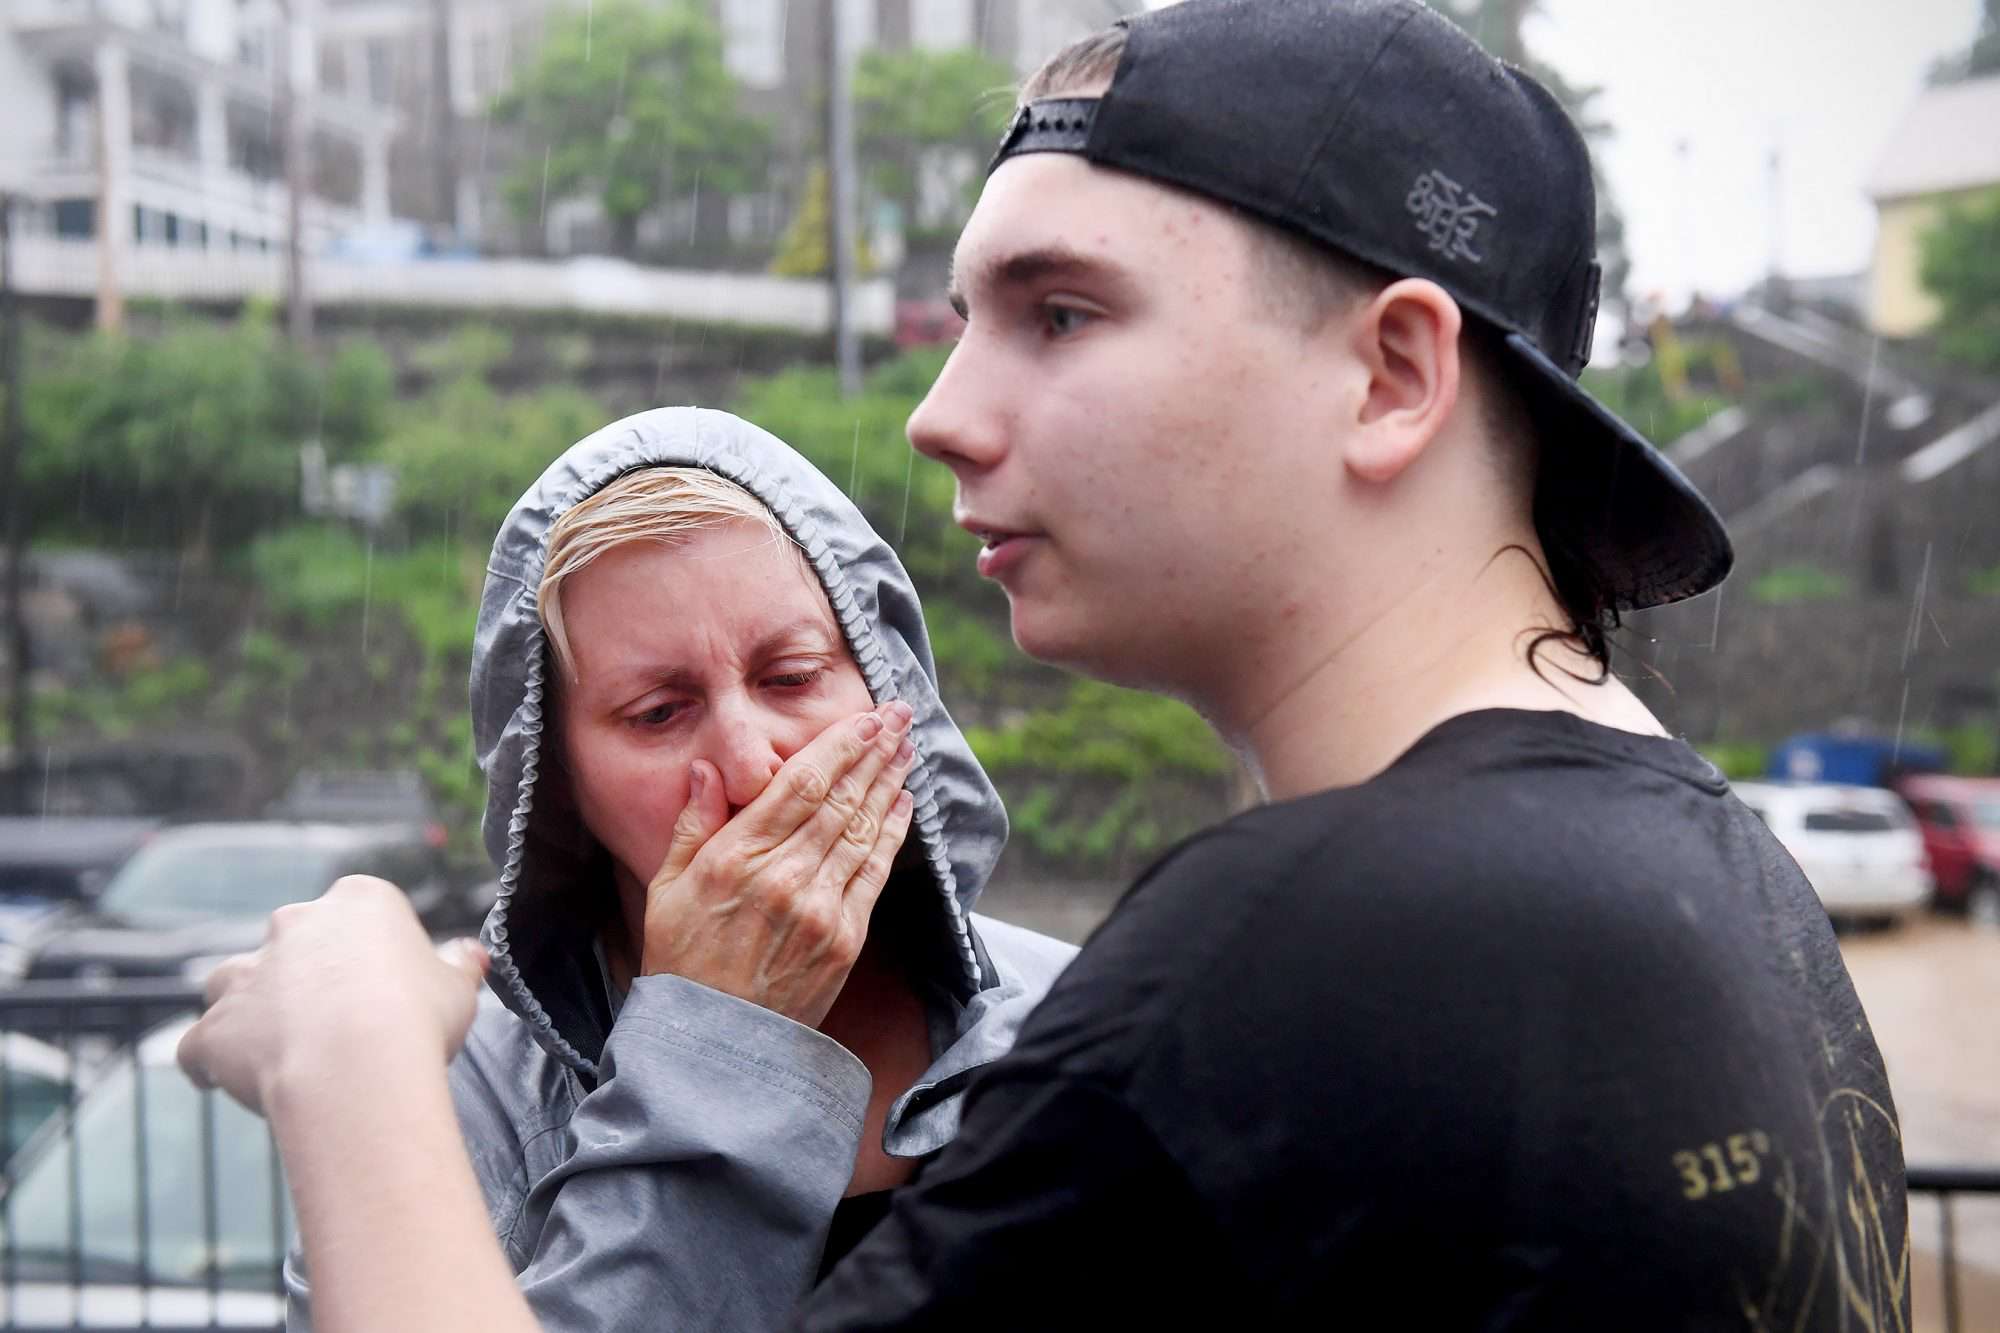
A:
x: 1945, y: 150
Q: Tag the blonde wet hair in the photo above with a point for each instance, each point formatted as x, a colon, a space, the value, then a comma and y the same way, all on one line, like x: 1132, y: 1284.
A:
x: 655, y: 504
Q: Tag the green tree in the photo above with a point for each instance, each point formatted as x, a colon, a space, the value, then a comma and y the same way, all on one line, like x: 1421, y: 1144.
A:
x: 1961, y: 267
x: 630, y: 103
x: 191, y: 438
x: 912, y: 104
x: 1979, y: 59
x: 464, y: 454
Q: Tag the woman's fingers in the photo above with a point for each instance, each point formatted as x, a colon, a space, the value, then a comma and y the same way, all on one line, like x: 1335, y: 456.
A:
x: 706, y: 811
x: 857, y: 904
x: 810, y: 778
x: 862, y: 831
x: 848, y: 818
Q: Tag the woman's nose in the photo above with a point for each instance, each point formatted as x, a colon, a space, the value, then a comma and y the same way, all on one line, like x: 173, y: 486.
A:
x: 747, y: 750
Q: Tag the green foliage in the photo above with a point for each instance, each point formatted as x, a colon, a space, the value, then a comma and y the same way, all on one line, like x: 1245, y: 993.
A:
x: 859, y: 443
x: 1637, y: 395
x: 1971, y: 750
x: 1106, y: 732
x: 470, y: 351
x: 971, y: 655
x: 631, y: 103
x: 326, y: 577
x: 1738, y: 760
x: 1791, y: 584
x: 270, y: 661
x: 190, y: 438
x: 914, y: 102
x: 465, y: 454
x: 1961, y: 267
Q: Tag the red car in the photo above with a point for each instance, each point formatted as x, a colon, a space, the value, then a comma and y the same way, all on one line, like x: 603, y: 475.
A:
x: 1961, y: 824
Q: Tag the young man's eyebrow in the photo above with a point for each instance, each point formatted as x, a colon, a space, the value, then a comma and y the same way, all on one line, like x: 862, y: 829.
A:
x: 1028, y: 266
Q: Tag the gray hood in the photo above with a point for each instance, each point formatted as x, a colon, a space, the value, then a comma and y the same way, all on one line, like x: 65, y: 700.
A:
x: 555, y: 885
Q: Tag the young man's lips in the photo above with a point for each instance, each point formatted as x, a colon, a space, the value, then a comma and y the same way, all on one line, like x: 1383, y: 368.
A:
x: 1002, y: 551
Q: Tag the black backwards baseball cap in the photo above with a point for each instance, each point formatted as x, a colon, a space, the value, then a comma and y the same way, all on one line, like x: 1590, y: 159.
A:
x: 1379, y: 129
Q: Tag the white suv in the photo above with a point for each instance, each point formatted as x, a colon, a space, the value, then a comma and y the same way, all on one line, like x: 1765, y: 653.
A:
x: 1859, y: 846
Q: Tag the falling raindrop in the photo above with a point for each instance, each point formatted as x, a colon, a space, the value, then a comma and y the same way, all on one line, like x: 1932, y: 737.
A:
x: 1916, y: 629
x: 909, y: 472
x: 1896, y: 751
x: 367, y: 588
x: 545, y: 184
x: 589, y: 23
x: 694, y: 208
x: 1867, y: 400
x: 854, y: 464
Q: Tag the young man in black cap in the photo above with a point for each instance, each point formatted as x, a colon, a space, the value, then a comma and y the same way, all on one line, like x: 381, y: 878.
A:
x: 1503, y: 1013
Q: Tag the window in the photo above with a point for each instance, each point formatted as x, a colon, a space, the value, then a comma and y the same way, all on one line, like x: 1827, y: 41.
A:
x: 753, y: 41
x: 941, y: 24
x: 76, y: 218
x: 1849, y: 821
x: 381, y: 70
x: 333, y: 67
x: 1938, y: 814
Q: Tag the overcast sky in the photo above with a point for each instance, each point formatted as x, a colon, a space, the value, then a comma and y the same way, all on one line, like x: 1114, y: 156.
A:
x: 1822, y: 81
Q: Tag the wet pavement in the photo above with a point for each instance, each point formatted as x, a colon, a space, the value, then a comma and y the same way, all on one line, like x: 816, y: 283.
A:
x: 1932, y: 991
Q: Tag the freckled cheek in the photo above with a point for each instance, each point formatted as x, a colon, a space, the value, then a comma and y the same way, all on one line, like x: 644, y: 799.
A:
x: 629, y: 799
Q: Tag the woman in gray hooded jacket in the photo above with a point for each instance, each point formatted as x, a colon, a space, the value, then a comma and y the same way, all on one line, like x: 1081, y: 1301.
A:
x: 637, y: 683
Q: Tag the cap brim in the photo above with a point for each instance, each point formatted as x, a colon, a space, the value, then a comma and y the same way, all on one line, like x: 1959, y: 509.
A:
x: 1614, y: 500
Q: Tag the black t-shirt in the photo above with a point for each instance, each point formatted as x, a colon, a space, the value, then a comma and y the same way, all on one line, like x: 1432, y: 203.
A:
x: 1540, y: 1028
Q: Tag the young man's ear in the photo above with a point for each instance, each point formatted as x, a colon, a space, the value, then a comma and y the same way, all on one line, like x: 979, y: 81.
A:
x: 1406, y: 341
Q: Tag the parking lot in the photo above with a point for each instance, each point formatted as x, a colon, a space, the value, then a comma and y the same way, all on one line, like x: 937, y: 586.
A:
x: 1932, y: 990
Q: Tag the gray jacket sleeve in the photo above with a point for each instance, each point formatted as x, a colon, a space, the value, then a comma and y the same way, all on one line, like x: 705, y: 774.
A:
x: 691, y: 1189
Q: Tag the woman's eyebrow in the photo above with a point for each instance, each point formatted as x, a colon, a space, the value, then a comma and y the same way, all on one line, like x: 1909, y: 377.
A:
x: 803, y: 635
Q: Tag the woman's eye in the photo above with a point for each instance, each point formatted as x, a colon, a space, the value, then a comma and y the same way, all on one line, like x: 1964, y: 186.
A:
x: 657, y: 715
x: 793, y: 680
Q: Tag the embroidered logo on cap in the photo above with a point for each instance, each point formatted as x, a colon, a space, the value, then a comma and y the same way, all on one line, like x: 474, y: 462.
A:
x: 1448, y: 214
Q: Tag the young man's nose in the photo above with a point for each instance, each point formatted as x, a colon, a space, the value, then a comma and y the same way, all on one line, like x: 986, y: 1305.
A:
x: 955, y: 423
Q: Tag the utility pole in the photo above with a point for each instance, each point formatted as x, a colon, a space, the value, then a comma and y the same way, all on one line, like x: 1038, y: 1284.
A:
x: 114, y: 187
x: 444, y: 140
x: 292, y: 129
x: 840, y: 196
x: 10, y: 491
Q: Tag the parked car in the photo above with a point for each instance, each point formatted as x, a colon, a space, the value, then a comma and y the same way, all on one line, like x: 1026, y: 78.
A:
x: 49, y: 865
x: 1960, y: 819
x: 361, y: 796
x: 1859, y: 846
x: 35, y: 1082
x: 203, y: 890
x: 108, y: 1219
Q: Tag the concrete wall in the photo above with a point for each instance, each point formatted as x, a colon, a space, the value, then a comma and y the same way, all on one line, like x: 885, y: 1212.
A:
x: 50, y: 267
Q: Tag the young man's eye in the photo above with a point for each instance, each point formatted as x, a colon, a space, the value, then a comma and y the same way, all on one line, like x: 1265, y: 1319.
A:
x: 1063, y: 320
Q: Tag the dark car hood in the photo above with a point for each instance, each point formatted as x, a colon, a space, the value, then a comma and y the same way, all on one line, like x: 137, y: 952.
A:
x: 92, y: 937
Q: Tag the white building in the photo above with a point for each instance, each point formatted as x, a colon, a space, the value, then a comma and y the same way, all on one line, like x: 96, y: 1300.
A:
x: 157, y: 121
